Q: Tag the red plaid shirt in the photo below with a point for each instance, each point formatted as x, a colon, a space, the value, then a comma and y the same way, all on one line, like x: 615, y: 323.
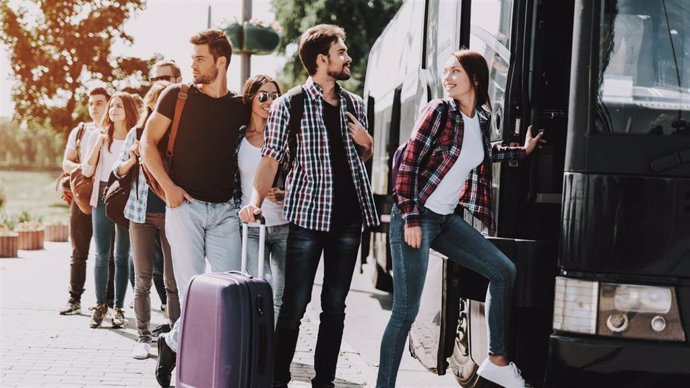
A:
x: 432, y: 150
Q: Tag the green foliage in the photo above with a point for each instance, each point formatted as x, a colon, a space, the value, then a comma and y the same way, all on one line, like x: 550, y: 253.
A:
x: 7, y: 222
x: 3, y: 198
x: 29, y: 145
x: 363, y: 21
x: 57, y: 47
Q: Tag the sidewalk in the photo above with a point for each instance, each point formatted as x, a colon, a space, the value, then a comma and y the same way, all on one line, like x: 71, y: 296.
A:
x: 39, y: 348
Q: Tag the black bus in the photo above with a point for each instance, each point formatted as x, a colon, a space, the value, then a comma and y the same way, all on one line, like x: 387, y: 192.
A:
x: 597, y: 222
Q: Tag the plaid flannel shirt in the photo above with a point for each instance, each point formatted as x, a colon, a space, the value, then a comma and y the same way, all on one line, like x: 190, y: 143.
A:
x: 432, y: 150
x: 135, y: 208
x: 309, y: 185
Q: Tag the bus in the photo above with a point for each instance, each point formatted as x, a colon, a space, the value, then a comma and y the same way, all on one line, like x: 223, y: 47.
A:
x: 597, y: 222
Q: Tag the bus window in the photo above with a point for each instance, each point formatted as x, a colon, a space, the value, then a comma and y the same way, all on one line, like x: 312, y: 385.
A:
x: 644, y: 84
x: 491, y: 22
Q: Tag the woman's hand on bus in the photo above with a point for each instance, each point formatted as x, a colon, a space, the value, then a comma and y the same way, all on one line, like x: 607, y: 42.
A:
x: 413, y: 236
x: 532, y: 142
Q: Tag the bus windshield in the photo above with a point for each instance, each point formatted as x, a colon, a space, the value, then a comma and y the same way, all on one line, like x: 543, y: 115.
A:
x: 644, y: 77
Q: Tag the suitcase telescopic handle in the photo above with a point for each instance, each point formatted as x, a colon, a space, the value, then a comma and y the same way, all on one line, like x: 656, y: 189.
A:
x: 262, y: 243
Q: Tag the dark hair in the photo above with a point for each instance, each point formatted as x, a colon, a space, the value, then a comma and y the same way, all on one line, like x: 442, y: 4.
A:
x: 253, y: 85
x: 131, y: 114
x: 99, y: 91
x: 218, y: 44
x: 477, y: 71
x: 317, y: 40
x: 175, y: 68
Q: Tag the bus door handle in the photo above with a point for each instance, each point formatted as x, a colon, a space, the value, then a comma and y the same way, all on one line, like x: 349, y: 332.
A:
x: 667, y: 162
x: 516, y: 132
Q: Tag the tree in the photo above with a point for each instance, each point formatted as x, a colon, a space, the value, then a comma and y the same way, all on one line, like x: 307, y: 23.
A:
x: 363, y: 21
x: 56, y: 47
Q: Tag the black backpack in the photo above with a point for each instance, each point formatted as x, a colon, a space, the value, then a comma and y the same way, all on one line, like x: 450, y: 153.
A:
x: 296, y: 98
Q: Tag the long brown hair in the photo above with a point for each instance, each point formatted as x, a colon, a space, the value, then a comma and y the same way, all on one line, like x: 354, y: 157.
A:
x: 478, y: 71
x: 131, y: 115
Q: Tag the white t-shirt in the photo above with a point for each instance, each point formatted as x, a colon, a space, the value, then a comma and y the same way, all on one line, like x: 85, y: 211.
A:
x: 72, y: 140
x: 108, y: 160
x: 248, y: 160
x: 445, y: 198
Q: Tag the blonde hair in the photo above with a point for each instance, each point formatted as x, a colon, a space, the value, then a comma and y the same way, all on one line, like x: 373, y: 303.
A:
x: 150, y: 100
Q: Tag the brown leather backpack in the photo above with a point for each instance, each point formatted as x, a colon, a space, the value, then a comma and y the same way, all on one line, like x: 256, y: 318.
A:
x: 167, y: 151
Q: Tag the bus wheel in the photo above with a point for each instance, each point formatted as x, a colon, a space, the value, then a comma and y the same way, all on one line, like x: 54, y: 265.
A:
x: 461, y: 362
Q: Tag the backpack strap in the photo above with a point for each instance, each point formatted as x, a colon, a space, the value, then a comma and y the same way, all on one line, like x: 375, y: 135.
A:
x: 296, y: 98
x: 349, y: 106
x: 179, y: 107
x: 77, y: 144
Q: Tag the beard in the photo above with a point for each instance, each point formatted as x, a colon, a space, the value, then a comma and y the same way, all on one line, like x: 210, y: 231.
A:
x: 206, y: 78
x: 341, y: 75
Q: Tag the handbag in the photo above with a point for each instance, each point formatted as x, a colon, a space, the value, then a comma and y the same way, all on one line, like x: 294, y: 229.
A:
x: 63, y: 184
x: 117, y: 192
x: 82, y: 187
x: 115, y: 198
x: 167, y: 151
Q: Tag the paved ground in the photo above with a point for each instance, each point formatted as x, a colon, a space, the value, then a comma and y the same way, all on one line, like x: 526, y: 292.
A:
x: 39, y: 348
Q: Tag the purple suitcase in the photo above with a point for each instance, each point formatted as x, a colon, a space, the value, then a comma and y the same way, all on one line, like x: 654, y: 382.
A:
x: 227, y: 334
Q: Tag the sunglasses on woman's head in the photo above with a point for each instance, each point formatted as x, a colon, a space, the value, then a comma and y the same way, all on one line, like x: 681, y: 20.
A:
x: 263, y: 96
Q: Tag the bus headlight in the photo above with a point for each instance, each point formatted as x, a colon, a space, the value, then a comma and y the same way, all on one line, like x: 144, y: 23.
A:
x: 575, y: 305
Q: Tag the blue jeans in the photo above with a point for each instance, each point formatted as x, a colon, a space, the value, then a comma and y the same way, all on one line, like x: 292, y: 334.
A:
x: 460, y: 242
x: 274, y: 259
x: 199, y: 231
x: 304, y: 248
x: 102, y: 232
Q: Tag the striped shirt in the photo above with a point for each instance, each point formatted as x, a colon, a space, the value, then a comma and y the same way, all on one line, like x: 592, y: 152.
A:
x: 309, y: 199
x: 432, y: 150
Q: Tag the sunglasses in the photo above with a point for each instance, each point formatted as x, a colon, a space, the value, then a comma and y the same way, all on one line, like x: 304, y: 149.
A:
x: 263, y: 96
x: 170, y: 78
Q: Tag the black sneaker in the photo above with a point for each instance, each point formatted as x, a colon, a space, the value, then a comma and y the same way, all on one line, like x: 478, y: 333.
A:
x: 160, y: 329
x: 72, y: 308
x: 165, y: 363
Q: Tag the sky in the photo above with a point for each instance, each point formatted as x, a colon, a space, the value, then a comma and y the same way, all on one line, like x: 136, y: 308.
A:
x: 165, y: 27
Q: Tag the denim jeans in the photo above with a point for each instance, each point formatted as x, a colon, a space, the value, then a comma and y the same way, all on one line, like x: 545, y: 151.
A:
x: 199, y: 231
x: 102, y: 232
x: 460, y: 242
x: 274, y: 259
x: 304, y: 247
x: 144, y: 237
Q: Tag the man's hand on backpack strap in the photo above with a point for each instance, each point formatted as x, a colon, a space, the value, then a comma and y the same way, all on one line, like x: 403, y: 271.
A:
x: 360, y: 136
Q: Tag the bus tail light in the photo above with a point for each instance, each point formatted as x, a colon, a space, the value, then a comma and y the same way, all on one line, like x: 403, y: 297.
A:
x: 617, y: 310
x: 637, y: 311
x: 575, y: 305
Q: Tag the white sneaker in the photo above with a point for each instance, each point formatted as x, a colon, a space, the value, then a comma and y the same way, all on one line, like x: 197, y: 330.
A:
x: 507, y: 376
x: 141, y: 351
